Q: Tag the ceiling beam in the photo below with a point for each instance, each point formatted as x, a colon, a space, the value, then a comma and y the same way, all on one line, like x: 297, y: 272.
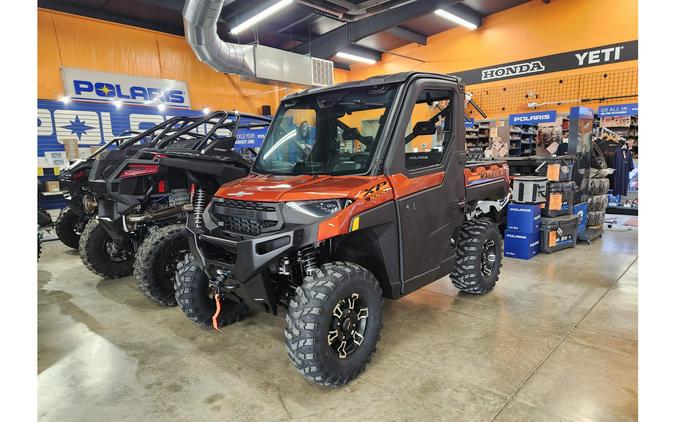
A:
x: 327, y: 45
x: 407, y: 35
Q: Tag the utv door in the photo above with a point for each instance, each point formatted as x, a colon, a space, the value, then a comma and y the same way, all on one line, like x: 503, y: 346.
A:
x: 425, y: 164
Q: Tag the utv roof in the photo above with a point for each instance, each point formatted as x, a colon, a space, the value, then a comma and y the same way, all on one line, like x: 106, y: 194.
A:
x: 372, y: 81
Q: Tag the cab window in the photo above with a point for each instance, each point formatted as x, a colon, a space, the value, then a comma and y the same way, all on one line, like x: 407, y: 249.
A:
x: 429, y: 129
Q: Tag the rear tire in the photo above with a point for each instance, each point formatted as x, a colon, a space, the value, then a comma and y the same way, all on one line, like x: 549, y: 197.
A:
x: 67, y: 228
x: 96, y: 252
x: 479, y: 257
x: 330, y: 338
x: 196, y: 300
x: 156, y: 263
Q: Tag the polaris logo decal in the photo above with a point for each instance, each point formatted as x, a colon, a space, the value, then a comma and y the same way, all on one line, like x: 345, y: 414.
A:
x: 513, y: 70
x: 109, y: 87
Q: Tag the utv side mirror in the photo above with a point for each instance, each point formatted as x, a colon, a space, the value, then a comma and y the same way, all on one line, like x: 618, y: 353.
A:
x: 424, y: 128
x: 350, y: 134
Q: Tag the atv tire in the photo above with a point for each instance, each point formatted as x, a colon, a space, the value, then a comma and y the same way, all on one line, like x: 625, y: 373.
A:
x: 330, y: 338
x: 156, y: 262
x: 66, y: 228
x: 479, y: 257
x: 95, y: 244
x: 196, y: 300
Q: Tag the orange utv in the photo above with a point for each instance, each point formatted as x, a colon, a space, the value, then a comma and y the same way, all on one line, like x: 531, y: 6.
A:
x: 361, y: 191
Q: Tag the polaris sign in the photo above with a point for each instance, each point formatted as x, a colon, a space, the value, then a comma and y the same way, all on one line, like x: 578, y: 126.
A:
x: 100, y: 86
x: 532, y: 118
x: 512, y: 71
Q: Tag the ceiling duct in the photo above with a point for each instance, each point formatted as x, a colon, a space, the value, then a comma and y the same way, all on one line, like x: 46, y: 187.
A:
x: 200, y: 19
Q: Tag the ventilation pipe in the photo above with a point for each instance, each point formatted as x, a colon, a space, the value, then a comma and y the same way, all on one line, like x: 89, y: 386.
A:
x: 200, y: 19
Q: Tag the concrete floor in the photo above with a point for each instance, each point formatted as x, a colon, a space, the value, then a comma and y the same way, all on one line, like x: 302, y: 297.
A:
x: 555, y: 340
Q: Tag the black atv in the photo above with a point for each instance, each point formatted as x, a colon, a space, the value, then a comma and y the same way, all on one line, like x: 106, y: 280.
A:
x: 80, y: 204
x: 143, y: 191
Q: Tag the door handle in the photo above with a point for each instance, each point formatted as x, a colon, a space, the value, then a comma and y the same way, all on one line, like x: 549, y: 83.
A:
x: 408, y: 207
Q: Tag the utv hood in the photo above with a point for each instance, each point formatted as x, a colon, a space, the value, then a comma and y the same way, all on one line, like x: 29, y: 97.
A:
x: 273, y: 188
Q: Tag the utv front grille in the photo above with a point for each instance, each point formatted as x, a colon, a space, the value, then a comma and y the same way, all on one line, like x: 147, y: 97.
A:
x: 246, y: 217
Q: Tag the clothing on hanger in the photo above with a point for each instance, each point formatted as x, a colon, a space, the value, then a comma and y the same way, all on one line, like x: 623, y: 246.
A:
x: 623, y: 165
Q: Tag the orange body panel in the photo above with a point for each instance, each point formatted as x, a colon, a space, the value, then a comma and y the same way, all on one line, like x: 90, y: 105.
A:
x: 404, y: 186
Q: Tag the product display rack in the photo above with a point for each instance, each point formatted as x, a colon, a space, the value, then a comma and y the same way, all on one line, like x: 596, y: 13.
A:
x: 477, y: 140
x: 522, y: 141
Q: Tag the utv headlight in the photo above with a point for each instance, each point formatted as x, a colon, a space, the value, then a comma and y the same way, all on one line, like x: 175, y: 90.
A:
x: 320, y: 208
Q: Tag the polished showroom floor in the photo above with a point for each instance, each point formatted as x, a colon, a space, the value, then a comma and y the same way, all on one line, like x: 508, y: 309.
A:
x: 555, y: 340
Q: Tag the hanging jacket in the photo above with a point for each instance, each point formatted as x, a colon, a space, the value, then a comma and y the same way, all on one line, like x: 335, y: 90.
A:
x: 623, y: 165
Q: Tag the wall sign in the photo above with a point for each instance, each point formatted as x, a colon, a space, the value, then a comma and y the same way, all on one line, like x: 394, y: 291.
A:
x: 612, y: 53
x: 532, y: 118
x: 103, y: 86
x: 618, y: 110
x: 95, y: 123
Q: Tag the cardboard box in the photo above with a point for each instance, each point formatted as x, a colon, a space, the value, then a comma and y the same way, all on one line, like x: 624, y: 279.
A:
x: 521, y: 245
x: 71, y: 149
x: 523, y: 218
x: 52, y: 186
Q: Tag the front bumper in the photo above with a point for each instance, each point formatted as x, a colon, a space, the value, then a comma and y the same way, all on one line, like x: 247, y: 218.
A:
x: 246, y: 259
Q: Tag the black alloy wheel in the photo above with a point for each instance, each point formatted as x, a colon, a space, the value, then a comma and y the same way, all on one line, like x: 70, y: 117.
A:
x: 348, y: 325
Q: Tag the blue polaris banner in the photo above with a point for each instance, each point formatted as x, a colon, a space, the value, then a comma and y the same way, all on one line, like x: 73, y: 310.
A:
x: 532, y: 118
x: 468, y: 124
x: 618, y: 110
x: 95, y: 123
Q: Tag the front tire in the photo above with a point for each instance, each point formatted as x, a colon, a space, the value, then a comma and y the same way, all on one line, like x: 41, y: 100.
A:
x: 479, y: 257
x: 333, y: 323
x: 156, y: 262
x: 67, y: 228
x: 196, y: 299
x: 100, y: 254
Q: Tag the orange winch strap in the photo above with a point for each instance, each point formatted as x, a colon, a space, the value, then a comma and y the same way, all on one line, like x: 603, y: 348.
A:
x: 214, y: 319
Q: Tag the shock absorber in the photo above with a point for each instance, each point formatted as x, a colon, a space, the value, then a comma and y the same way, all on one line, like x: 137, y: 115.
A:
x: 199, y: 203
x: 308, y: 260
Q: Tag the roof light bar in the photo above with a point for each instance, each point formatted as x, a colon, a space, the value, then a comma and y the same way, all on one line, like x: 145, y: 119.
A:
x: 456, y: 19
x: 260, y: 16
x: 355, y: 58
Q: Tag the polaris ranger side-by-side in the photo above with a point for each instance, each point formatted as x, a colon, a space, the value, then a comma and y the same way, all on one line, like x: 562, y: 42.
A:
x: 144, y: 189
x: 360, y: 191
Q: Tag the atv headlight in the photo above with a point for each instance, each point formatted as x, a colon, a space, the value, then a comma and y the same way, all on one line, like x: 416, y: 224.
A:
x: 320, y: 208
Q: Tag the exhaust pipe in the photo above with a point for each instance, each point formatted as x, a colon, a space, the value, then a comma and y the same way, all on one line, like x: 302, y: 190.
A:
x: 132, y: 221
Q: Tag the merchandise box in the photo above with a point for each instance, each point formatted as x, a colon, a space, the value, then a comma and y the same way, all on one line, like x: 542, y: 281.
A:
x: 52, y: 186
x: 581, y: 211
x: 523, y: 218
x: 559, y: 199
x: 521, y: 245
x: 558, y: 233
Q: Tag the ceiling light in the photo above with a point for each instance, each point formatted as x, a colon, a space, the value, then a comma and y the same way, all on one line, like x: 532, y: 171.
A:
x: 456, y: 19
x: 161, y: 107
x: 64, y: 100
x: 206, y: 110
x: 355, y: 58
x: 117, y: 103
x: 260, y: 16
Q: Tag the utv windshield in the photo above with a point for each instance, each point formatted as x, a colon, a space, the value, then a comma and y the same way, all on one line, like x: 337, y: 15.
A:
x: 332, y: 133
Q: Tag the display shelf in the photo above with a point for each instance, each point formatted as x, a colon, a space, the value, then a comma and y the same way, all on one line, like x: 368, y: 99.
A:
x: 522, y: 140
